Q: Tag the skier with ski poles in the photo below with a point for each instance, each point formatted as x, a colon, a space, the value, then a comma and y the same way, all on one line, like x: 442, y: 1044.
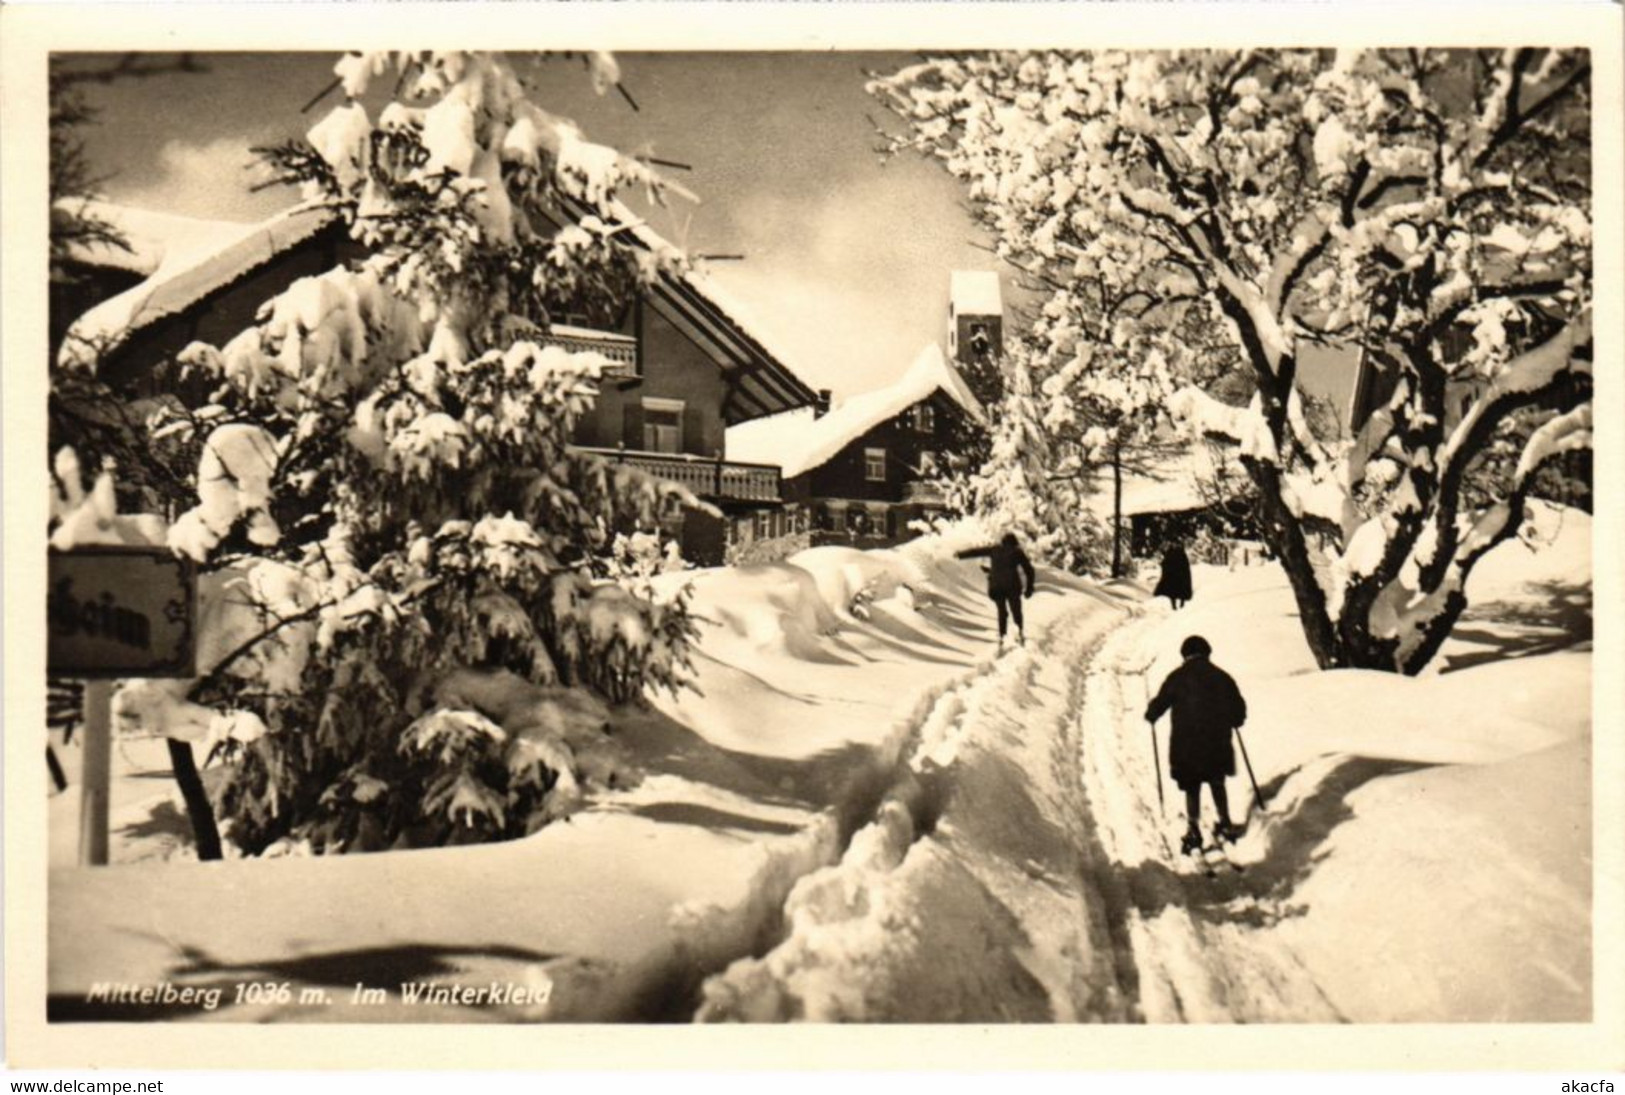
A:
x: 1207, y: 707
x: 1007, y: 564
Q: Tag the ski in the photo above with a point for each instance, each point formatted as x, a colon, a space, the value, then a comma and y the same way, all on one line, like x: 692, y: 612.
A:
x: 1215, y: 856
x: 1211, y: 859
x: 1199, y: 861
x: 1192, y: 856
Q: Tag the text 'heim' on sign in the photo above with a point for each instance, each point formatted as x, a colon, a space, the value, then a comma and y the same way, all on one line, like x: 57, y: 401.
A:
x: 116, y: 611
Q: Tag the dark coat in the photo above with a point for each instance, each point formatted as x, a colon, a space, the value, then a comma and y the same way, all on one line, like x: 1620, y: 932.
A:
x: 1006, y: 565
x: 1207, y: 706
x: 1175, y: 580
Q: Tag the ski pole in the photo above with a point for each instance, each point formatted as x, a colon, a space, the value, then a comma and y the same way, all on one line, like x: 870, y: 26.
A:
x: 1258, y: 796
x: 1156, y: 763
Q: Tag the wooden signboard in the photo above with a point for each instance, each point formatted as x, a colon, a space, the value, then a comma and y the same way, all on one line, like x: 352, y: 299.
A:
x: 115, y: 611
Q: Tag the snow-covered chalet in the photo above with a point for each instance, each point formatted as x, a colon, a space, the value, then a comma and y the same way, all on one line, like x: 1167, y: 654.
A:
x: 861, y: 472
x: 685, y: 365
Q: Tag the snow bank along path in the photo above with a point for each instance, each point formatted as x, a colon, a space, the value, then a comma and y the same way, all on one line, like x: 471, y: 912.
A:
x: 817, y: 682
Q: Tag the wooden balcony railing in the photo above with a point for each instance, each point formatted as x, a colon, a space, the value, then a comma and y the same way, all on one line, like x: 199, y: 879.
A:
x: 726, y: 480
x: 924, y: 491
x: 621, y: 350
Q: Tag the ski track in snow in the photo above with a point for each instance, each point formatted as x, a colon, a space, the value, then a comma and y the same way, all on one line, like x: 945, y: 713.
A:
x: 1194, y: 939
x: 981, y: 843
x: 1020, y: 869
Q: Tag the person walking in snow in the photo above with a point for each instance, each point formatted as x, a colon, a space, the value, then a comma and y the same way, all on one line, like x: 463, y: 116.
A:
x: 1174, y: 582
x: 1207, y: 707
x: 1007, y: 563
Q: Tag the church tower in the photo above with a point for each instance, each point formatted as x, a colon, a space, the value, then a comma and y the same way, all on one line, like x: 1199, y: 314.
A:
x: 975, y: 317
x: 976, y: 331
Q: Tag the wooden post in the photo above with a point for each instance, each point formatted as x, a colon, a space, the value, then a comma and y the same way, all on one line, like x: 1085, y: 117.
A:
x: 204, y: 830
x: 94, y: 773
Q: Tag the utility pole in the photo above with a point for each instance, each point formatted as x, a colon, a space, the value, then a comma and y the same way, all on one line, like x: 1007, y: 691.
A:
x: 1117, y: 506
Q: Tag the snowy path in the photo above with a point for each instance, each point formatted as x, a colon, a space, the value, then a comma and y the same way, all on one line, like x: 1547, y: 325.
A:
x: 1006, y: 865
x: 1195, y: 939
x: 1021, y: 870
x: 860, y: 815
x: 1383, y: 882
x: 814, y: 740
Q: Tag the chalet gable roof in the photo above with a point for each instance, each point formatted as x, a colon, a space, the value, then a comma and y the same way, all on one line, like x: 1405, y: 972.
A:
x: 798, y: 442
x: 151, y: 239
x: 187, y: 260
x: 760, y: 383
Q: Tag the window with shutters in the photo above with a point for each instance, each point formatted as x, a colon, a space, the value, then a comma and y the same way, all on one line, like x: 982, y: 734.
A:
x: 925, y: 418
x: 663, y: 425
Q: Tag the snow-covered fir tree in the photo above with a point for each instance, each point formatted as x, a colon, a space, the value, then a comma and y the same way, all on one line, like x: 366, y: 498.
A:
x: 1428, y: 208
x: 416, y: 563
x: 1019, y: 489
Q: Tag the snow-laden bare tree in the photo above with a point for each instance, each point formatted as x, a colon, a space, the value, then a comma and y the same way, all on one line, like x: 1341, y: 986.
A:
x: 413, y: 636
x: 1427, y: 210
x: 1102, y: 407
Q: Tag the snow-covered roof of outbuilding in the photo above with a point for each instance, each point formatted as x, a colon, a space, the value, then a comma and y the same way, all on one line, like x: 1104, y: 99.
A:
x: 797, y: 441
x: 185, y: 260
x: 976, y: 293
x: 1186, y: 480
x: 152, y: 238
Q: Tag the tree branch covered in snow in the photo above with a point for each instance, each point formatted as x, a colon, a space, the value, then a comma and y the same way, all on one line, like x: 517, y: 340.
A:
x: 1425, y: 210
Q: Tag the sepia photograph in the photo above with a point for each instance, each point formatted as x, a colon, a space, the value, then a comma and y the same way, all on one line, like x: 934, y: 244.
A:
x: 968, y: 535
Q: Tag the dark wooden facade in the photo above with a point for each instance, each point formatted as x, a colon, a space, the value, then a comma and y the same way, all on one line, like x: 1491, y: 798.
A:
x: 219, y: 316
x: 871, y: 491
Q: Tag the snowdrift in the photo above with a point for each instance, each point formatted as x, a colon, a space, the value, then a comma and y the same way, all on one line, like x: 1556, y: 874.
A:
x: 858, y: 814
x: 972, y: 895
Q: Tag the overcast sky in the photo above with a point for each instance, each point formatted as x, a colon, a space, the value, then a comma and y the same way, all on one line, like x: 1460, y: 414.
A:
x: 847, y: 258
